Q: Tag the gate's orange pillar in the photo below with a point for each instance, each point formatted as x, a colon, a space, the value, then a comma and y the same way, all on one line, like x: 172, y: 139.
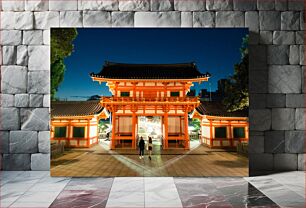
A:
x: 112, y: 145
x: 186, y: 130
x: 134, y: 130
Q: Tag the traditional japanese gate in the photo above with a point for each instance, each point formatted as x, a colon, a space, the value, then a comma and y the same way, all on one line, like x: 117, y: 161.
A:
x: 149, y: 90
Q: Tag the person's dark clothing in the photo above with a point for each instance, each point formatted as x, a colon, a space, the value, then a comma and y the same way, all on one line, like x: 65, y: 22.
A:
x: 141, y: 147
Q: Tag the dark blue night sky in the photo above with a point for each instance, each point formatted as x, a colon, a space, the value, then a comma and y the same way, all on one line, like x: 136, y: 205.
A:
x: 213, y: 50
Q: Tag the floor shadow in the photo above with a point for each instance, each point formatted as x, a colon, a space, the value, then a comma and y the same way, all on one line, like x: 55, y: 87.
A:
x: 229, y: 164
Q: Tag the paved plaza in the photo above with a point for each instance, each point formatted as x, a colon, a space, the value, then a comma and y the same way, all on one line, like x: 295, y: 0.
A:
x: 100, y: 161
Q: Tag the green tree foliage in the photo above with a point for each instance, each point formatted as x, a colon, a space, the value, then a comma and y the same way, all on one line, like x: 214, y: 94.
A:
x: 236, y: 89
x: 61, y: 47
x: 196, y: 123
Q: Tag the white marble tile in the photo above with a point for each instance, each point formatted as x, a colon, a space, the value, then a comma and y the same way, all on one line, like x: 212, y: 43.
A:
x: 279, y: 193
x: 163, y: 198
x: 50, y: 184
x: 30, y: 205
x: 30, y: 176
x: 153, y: 184
x: 36, y: 199
x: 128, y: 184
x: 295, y: 181
x: 7, y: 176
x: 125, y: 200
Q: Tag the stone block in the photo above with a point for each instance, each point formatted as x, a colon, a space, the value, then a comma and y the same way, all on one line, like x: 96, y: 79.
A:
x: 229, y: 19
x: 35, y: 119
x: 285, y: 79
x: 63, y: 5
x: 283, y: 118
x: 6, y: 100
x: 23, y: 142
x: 16, y: 162
x: 24, y: 20
x: 301, y: 162
x: 299, y: 37
x: 10, y: 118
x: 295, y: 100
x: 134, y: 5
x: 303, y: 79
x: 45, y: 20
x: 186, y: 19
x: 256, y: 144
x: 222, y: 5
x: 302, y: 55
x: 13, y: 6
x: 22, y: 55
x: 276, y: 101
x: 296, y: 5
x: 46, y: 101
x: 275, y: 141
x: 4, y: 141
x: 9, y: 55
x: 7, y: 20
x: 260, y: 161
x: 256, y: 133
x: 122, y: 19
x: 185, y: 6
x: 39, y: 58
x: 245, y: 5
x: 253, y: 37
x: 38, y: 82
x: 40, y: 162
x: 281, y: 5
x: 294, y: 54
x: 252, y: 21
x: 278, y: 54
x: 294, y: 141
x: 258, y: 82
x: 257, y: 57
x: 44, y: 142
x: 99, y: 19
x: 283, y: 37
x: 22, y: 100
x: 72, y: 19
x: 300, y: 119
x: 302, y: 20
x: 157, y: 19
x: 46, y: 37
x: 260, y: 119
x: 269, y: 20
x: 11, y: 37
x: 265, y: 5
x: 290, y: 20
x: 98, y: 5
x: 36, y: 5
x: 203, y: 19
x: 32, y: 37
x: 13, y: 79
x: 162, y: 5
x: 285, y: 162
x: 36, y: 100
x: 257, y: 101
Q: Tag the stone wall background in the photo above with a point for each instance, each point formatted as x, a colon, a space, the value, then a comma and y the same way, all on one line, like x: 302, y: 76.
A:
x: 277, y: 123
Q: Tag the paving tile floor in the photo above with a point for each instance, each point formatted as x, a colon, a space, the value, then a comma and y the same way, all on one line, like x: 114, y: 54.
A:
x: 38, y: 190
x: 100, y: 161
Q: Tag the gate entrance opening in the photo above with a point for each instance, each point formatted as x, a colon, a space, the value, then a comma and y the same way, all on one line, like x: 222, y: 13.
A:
x: 150, y: 126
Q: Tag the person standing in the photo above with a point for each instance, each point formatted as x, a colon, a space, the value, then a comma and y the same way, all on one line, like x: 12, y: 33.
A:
x: 141, y: 146
x: 150, y: 147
